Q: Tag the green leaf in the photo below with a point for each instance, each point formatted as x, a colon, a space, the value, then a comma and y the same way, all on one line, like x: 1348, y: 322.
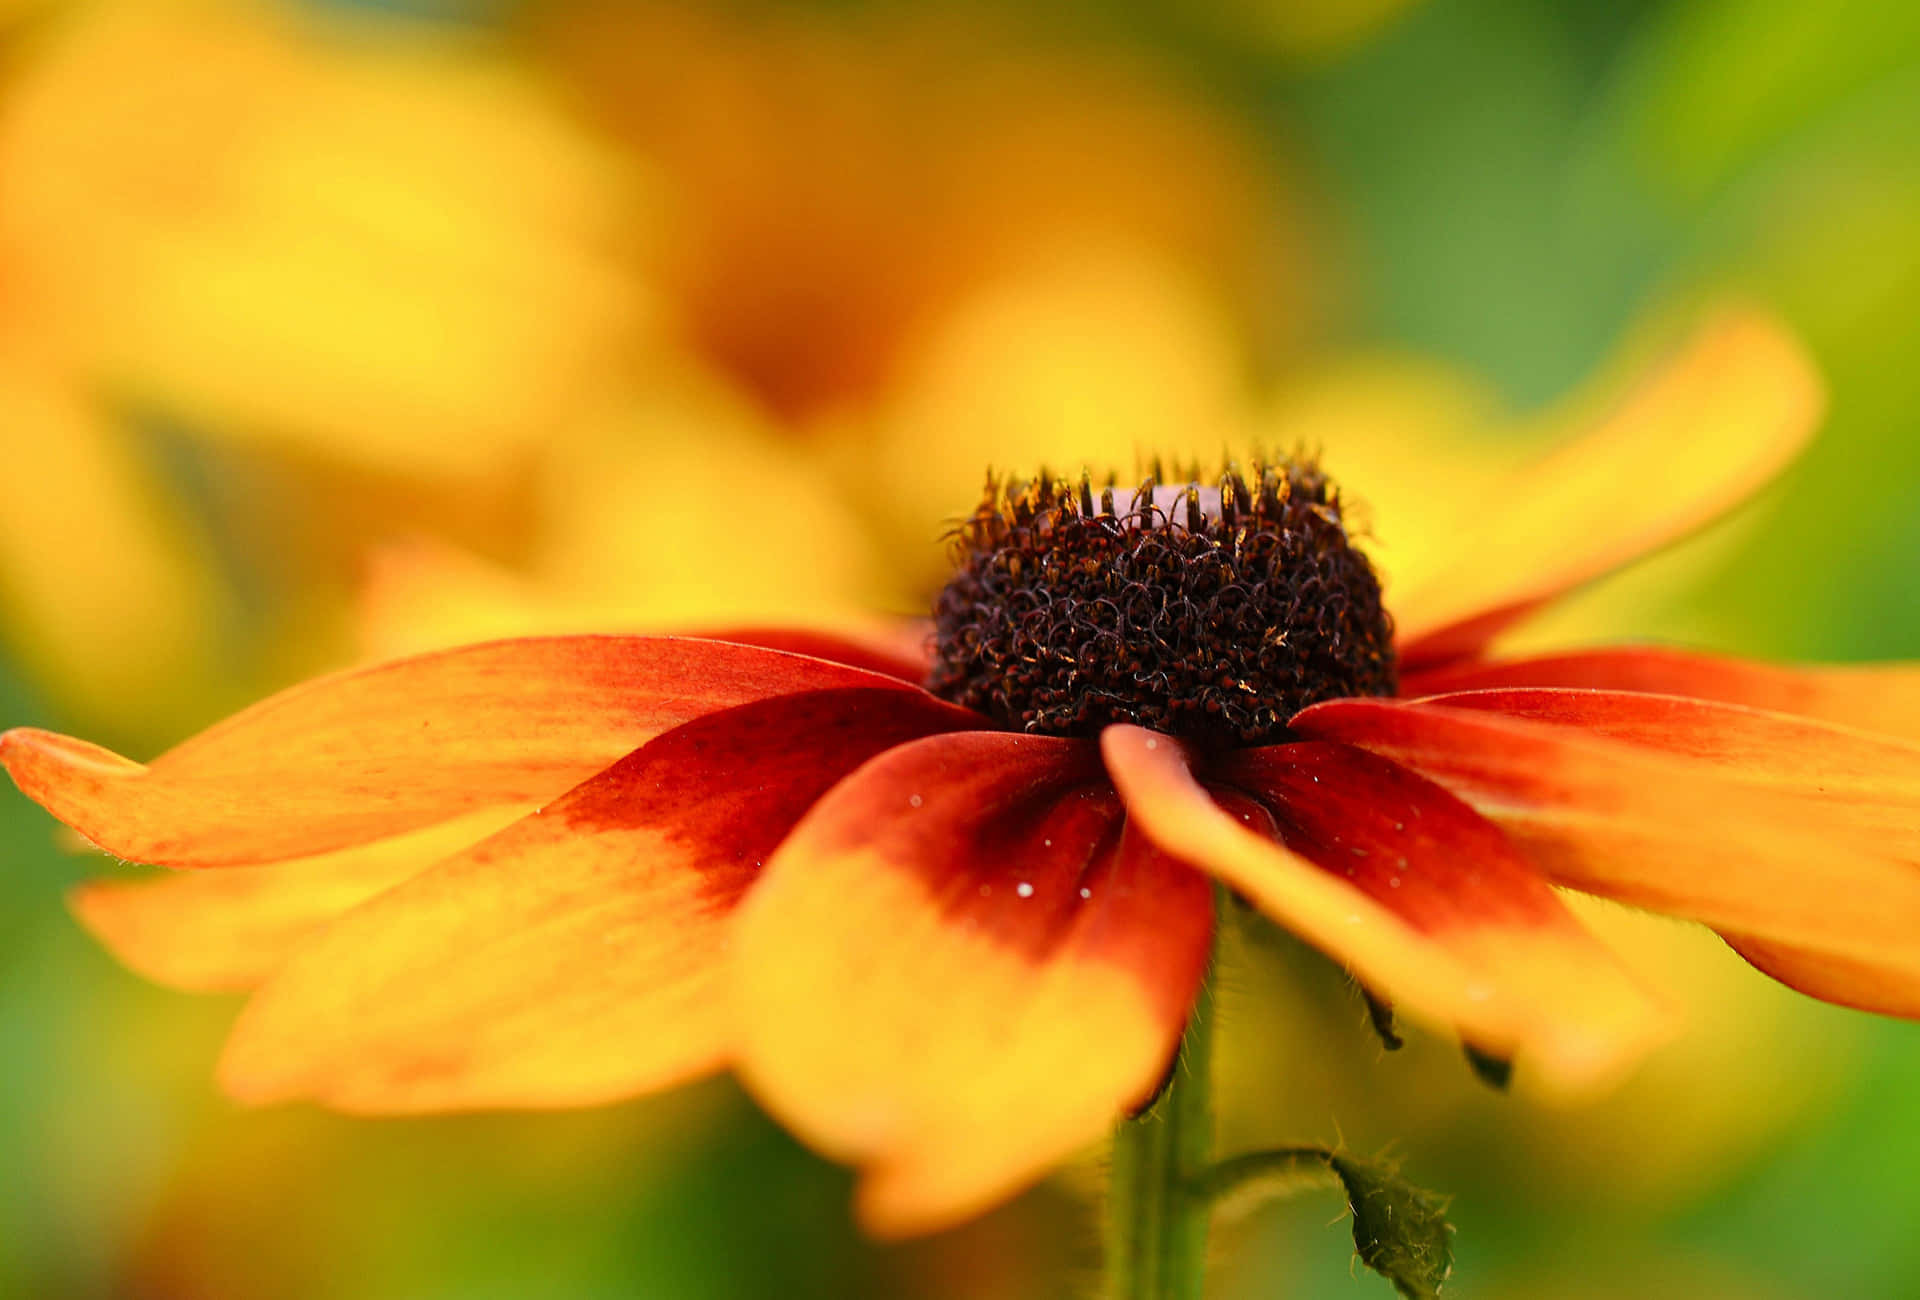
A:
x: 1400, y: 1230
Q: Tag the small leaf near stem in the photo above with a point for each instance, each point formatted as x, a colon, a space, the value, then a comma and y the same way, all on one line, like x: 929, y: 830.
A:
x: 1400, y: 1230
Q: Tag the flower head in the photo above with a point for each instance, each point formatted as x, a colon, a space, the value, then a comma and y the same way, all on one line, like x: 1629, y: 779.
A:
x: 1216, y: 612
x: 951, y: 934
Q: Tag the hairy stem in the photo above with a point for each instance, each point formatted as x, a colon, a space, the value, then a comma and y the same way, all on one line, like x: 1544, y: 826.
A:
x: 1156, y: 1212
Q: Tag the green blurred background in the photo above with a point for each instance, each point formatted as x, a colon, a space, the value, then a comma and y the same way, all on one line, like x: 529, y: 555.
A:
x: 331, y: 330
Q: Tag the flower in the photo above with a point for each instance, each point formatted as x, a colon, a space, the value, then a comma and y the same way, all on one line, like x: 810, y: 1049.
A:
x: 456, y: 296
x: 952, y: 951
x: 312, y: 258
x: 833, y: 189
x: 884, y: 241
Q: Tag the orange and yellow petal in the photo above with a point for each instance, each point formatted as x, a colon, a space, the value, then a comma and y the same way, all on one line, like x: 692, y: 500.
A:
x: 577, y: 956
x: 1872, y: 697
x: 1701, y: 434
x: 378, y: 751
x: 1422, y: 899
x: 1884, y: 988
x: 962, y: 967
x: 1844, y: 782
x: 1796, y: 856
x: 233, y: 928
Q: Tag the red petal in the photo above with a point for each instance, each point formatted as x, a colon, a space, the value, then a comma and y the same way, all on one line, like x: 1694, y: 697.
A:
x: 959, y: 969
x: 578, y: 955
x: 1396, y: 836
x: 1402, y: 883
x: 1873, y: 697
x: 375, y: 752
x: 1698, y: 437
x: 1678, y: 834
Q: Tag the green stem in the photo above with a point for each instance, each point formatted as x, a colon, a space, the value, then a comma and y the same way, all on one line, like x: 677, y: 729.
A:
x: 1287, y: 1166
x: 1156, y: 1217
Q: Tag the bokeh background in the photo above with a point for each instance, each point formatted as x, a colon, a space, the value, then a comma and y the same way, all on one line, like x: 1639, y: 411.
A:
x: 330, y: 330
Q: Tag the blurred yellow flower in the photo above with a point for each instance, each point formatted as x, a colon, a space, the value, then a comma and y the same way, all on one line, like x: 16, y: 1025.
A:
x: 355, y: 271
x: 386, y: 247
x: 662, y: 513
x: 900, y: 243
x: 834, y: 187
x: 90, y: 550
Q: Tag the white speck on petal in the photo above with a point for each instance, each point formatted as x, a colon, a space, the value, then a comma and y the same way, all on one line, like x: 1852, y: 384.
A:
x: 914, y: 799
x: 1023, y: 889
x: 1085, y: 892
x: 1394, y: 882
x: 1152, y: 743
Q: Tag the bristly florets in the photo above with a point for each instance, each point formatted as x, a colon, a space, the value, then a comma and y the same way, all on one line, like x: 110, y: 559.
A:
x: 1211, y: 612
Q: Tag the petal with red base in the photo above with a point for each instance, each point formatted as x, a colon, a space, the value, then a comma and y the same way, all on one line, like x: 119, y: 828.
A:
x: 1422, y: 899
x: 960, y: 968
x: 1676, y: 834
x: 1699, y: 436
x: 378, y: 751
x: 578, y: 955
x: 1872, y: 697
x: 1844, y: 782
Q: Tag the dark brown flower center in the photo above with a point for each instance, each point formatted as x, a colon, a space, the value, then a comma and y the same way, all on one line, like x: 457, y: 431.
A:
x: 1213, y: 613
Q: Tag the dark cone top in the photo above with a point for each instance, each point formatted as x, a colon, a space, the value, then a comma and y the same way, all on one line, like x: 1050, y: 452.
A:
x: 1213, y: 613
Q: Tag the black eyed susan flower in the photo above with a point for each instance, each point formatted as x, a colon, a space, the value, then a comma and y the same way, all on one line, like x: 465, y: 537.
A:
x: 946, y: 905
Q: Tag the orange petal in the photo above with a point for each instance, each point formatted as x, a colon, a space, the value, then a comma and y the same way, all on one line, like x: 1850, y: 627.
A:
x: 1677, y: 834
x: 1699, y: 436
x: 374, y: 752
x: 960, y: 969
x: 1846, y: 782
x: 211, y: 931
x: 576, y: 956
x: 1406, y: 886
x: 897, y: 652
x: 1873, y: 697
x: 1886, y: 988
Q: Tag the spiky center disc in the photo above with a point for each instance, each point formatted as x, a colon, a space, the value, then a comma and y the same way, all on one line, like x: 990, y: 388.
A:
x: 1213, y: 613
